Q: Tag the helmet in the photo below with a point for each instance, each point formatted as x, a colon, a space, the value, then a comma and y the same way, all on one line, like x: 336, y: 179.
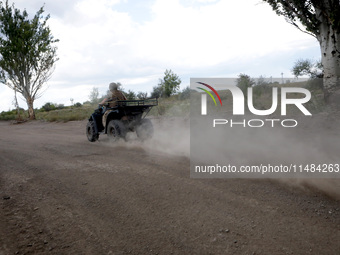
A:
x: 113, y: 86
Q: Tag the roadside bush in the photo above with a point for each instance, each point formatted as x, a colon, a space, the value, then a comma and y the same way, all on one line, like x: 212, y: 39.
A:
x: 10, y: 115
x: 185, y: 93
x: 258, y: 90
x: 48, y: 107
x: 59, y: 106
x: 13, y: 114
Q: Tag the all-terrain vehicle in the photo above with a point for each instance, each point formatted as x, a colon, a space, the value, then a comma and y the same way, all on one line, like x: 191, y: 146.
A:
x: 125, y: 116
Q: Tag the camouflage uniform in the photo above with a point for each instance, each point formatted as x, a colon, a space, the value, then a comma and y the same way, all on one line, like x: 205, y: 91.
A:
x: 115, y: 96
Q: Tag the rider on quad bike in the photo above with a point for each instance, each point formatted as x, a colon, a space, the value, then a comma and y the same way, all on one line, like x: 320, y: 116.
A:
x: 117, y: 116
x: 116, y: 95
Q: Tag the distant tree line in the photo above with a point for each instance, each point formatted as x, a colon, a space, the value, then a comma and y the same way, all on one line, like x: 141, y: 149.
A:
x: 169, y: 85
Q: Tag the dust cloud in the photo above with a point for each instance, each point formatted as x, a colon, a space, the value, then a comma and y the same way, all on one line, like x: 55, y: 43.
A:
x: 171, y: 136
x: 316, y: 140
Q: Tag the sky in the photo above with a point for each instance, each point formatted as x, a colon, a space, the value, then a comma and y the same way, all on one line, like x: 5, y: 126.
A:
x: 134, y: 42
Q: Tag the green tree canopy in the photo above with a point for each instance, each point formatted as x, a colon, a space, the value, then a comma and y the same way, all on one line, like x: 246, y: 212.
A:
x: 130, y: 95
x: 157, y: 91
x: 170, y: 83
x: 142, y: 95
x: 244, y: 82
x: 320, y: 19
x: 307, y: 67
x: 27, y: 52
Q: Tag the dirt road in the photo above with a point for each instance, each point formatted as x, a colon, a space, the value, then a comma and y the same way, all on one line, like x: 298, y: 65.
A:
x: 61, y: 194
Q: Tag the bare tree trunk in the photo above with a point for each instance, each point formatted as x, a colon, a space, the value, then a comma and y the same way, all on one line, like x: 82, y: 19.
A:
x: 330, y: 57
x: 17, y: 105
x: 31, y: 114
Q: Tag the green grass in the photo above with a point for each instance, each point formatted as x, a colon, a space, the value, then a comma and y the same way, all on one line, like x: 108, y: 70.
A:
x: 63, y: 115
x: 67, y: 114
x: 170, y: 107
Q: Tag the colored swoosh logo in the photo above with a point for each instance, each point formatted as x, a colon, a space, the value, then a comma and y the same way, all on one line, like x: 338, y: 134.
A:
x: 208, y: 86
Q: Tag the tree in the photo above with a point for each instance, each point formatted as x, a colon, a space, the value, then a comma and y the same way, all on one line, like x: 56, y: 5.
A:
x: 244, y: 82
x: 16, y: 104
x: 261, y: 81
x: 94, y: 96
x: 170, y: 83
x: 157, y: 91
x: 48, y: 107
x: 307, y: 67
x: 130, y: 95
x: 142, y: 95
x: 320, y: 19
x: 27, y: 54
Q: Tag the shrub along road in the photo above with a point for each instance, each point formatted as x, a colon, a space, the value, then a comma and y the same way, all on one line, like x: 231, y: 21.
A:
x: 61, y: 194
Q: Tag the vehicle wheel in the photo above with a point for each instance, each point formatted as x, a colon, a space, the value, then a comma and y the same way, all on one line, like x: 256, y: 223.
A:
x: 116, y: 130
x: 90, y: 132
x: 145, y: 129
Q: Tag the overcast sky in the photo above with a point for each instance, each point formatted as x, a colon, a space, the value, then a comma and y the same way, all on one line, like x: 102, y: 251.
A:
x: 134, y: 42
